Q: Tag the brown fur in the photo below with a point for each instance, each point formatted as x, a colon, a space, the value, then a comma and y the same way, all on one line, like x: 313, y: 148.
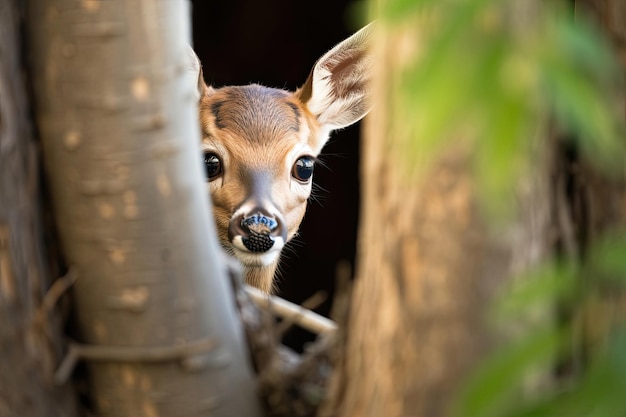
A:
x: 259, y: 133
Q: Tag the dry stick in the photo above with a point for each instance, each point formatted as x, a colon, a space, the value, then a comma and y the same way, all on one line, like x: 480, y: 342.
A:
x: 129, y: 354
x: 301, y: 316
x: 310, y: 303
x: 56, y: 291
x: 50, y: 299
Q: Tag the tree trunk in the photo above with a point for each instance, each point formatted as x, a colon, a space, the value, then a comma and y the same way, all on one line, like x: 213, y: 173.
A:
x: 118, y: 116
x: 30, y: 336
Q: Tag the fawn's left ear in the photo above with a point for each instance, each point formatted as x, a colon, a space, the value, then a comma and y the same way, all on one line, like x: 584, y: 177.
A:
x: 194, y: 69
x: 337, y: 90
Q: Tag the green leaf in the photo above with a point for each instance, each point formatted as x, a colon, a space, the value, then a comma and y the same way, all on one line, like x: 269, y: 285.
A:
x: 582, y: 44
x: 539, y: 288
x: 584, y: 110
x: 577, y: 74
x: 501, y: 155
x: 608, y: 258
x: 497, y: 383
x: 599, y: 392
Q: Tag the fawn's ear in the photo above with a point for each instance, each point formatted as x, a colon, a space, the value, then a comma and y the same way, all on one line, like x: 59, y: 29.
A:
x: 194, y: 69
x: 337, y: 90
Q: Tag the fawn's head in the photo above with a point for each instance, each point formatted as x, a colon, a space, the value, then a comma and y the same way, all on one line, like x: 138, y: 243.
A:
x: 260, y: 145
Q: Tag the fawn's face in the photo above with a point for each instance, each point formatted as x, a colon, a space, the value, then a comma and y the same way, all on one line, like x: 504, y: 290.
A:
x: 260, y: 145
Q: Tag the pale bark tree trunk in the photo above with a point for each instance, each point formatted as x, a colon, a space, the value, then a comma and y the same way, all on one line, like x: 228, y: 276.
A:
x: 30, y: 333
x: 118, y: 117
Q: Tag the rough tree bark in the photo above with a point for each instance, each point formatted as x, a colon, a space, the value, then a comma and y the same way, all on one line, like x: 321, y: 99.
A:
x: 118, y: 117
x: 30, y: 334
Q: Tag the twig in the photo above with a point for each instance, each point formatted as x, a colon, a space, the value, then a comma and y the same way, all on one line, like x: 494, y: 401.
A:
x: 310, y: 303
x: 56, y: 291
x: 142, y: 354
x: 50, y: 299
x: 289, y: 311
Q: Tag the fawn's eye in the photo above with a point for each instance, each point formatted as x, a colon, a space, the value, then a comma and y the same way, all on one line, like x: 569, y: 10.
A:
x: 213, y: 166
x: 303, y: 169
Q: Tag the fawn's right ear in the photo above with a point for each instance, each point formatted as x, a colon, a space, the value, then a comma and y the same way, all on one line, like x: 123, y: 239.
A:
x: 195, y: 70
x: 337, y: 90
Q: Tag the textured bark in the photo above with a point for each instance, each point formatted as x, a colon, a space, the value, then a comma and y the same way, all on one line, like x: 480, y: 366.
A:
x: 30, y: 335
x: 118, y: 116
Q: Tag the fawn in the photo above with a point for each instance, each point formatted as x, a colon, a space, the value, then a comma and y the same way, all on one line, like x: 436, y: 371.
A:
x: 260, y: 145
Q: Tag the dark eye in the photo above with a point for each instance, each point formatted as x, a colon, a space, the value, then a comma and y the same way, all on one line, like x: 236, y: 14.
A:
x: 303, y: 168
x: 213, y: 166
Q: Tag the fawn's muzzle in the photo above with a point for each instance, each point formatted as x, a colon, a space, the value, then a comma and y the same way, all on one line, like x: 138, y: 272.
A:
x: 258, y: 231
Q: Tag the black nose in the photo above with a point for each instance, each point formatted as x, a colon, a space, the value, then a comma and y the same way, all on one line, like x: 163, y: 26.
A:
x: 257, y: 231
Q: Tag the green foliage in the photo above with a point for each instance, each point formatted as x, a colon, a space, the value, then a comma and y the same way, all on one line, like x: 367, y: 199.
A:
x: 608, y: 260
x: 499, y: 387
x: 577, y: 80
x: 489, y: 72
x: 537, y: 291
x: 495, y: 388
x: 599, y: 394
